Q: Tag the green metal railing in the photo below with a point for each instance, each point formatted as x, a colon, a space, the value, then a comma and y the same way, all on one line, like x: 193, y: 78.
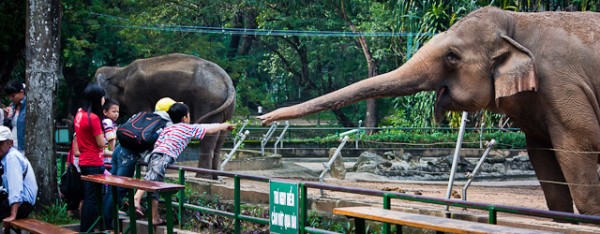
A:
x: 387, y: 197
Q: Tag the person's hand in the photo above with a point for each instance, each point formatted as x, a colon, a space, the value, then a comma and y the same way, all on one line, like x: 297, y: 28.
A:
x: 230, y: 127
x: 9, y: 219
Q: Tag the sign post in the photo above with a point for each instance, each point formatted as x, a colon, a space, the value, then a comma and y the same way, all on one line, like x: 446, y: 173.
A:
x: 283, y: 207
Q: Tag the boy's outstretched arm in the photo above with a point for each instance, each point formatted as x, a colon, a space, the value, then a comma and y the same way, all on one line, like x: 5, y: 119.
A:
x: 217, y: 127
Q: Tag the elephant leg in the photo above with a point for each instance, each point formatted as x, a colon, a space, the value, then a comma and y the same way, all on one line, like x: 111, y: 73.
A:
x: 547, y: 169
x: 207, y: 147
x: 581, y: 173
x: 217, y: 152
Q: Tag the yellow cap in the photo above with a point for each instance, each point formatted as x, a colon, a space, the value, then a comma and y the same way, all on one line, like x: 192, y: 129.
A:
x: 164, y: 104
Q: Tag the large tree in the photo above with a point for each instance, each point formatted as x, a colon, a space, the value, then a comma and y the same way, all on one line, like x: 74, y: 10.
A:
x: 42, y: 73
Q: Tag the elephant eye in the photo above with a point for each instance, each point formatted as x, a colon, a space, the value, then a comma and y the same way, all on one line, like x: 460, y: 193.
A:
x: 452, y: 58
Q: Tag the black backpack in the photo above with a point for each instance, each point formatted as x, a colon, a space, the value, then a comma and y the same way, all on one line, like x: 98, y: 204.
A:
x: 141, y: 131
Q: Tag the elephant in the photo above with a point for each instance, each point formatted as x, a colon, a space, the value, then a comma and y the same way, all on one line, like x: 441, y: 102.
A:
x: 204, y: 86
x: 540, y: 69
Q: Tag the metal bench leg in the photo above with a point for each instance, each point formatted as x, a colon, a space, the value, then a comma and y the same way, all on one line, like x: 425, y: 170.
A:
x: 149, y: 213
x: 359, y: 225
x: 115, y: 210
x: 132, y: 213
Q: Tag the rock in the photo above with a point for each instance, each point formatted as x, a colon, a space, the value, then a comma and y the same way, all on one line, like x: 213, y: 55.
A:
x: 499, y: 168
x: 495, y: 159
x: 367, y: 162
x: 455, y: 194
x: 394, y: 189
x: 337, y: 170
x: 522, y: 158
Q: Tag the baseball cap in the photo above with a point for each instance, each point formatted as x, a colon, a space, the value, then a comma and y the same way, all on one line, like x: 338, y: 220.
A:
x: 5, y: 133
x: 164, y: 104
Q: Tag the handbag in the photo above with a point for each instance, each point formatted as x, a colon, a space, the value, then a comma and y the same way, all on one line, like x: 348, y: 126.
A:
x: 71, y: 186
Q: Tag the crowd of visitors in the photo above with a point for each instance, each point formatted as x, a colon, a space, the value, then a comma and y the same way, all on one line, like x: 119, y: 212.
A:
x: 95, y: 143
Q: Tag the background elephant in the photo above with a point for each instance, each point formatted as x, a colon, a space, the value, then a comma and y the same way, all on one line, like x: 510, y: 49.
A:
x: 540, y: 69
x: 202, y: 85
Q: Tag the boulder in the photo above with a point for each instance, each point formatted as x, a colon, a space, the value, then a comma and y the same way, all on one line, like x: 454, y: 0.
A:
x: 337, y: 170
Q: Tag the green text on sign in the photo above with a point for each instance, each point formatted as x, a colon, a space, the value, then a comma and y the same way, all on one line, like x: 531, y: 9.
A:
x: 283, y: 207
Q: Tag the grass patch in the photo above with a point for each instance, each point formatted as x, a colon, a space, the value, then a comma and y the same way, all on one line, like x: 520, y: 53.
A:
x: 55, y: 214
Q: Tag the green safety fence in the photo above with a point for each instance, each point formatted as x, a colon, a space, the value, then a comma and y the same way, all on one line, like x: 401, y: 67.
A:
x: 386, y: 196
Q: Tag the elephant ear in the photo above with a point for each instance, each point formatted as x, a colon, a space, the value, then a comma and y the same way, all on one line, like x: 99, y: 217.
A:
x: 513, y: 69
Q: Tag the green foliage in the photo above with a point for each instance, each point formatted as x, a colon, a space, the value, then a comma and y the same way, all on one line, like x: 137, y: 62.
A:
x: 446, y: 138
x: 267, y: 70
x: 55, y: 214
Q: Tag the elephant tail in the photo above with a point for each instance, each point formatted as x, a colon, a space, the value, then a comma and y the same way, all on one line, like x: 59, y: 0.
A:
x: 228, y: 102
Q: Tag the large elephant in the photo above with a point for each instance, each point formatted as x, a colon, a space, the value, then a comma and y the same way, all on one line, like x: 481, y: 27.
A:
x: 540, y: 69
x: 202, y: 85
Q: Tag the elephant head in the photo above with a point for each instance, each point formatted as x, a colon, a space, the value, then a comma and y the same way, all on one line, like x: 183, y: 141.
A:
x: 109, y: 79
x: 534, y: 67
x: 471, y: 66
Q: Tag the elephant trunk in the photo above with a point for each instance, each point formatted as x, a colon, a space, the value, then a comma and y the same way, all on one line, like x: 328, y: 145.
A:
x: 400, y: 82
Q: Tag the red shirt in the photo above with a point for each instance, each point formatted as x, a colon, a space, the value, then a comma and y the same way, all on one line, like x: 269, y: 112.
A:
x: 90, y: 153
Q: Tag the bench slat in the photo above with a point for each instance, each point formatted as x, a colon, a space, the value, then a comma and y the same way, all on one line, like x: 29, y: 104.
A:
x: 426, y: 221
x: 132, y: 183
x: 35, y: 226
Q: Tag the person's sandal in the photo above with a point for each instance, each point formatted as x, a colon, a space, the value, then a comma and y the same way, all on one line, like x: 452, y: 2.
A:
x: 139, y: 212
x: 162, y: 222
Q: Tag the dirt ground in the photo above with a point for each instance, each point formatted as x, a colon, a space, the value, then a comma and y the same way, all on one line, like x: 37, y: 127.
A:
x: 522, y: 193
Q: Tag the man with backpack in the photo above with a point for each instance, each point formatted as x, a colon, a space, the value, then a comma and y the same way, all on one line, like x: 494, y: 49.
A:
x: 136, y: 138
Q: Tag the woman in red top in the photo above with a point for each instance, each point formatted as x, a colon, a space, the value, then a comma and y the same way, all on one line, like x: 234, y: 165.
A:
x: 90, y: 142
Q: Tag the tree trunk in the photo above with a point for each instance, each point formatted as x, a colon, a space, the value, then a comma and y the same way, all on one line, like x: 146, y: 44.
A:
x: 42, y: 73
x: 371, y: 112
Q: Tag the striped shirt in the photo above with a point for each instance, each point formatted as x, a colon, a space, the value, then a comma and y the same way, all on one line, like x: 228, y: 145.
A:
x: 173, y: 139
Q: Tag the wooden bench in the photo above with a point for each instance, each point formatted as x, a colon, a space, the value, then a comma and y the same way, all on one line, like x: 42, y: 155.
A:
x: 35, y: 226
x: 165, y: 189
x: 439, y: 224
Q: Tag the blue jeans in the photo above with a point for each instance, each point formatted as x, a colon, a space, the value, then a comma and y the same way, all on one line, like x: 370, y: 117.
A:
x: 123, y: 164
x: 92, y: 193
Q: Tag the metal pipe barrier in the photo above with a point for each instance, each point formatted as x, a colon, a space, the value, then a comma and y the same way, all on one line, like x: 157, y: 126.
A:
x: 472, y: 175
x: 280, y: 137
x: 237, y: 145
x: 235, y: 139
x: 387, y: 196
x: 266, y: 137
x: 358, y: 134
x: 332, y: 160
x: 461, y: 133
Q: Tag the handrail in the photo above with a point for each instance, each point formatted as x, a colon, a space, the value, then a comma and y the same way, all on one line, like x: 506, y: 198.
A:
x: 386, y: 195
x: 280, y: 137
x: 237, y: 145
x: 266, y: 137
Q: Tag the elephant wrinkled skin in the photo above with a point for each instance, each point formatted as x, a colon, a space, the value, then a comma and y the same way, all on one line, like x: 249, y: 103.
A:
x: 540, y: 69
x: 202, y: 85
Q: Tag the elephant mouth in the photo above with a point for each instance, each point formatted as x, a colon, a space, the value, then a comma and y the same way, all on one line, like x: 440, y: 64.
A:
x: 438, y: 109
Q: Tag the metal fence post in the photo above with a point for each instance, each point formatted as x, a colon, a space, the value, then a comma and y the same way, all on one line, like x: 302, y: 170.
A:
x: 237, y: 145
x: 358, y: 134
x: 461, y: 133
x: 387, y: 204
x: 181, y: 196
x: 279, y: 141
x: 266, y: 137
x: 240, y: 131
x: 236, y: 204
